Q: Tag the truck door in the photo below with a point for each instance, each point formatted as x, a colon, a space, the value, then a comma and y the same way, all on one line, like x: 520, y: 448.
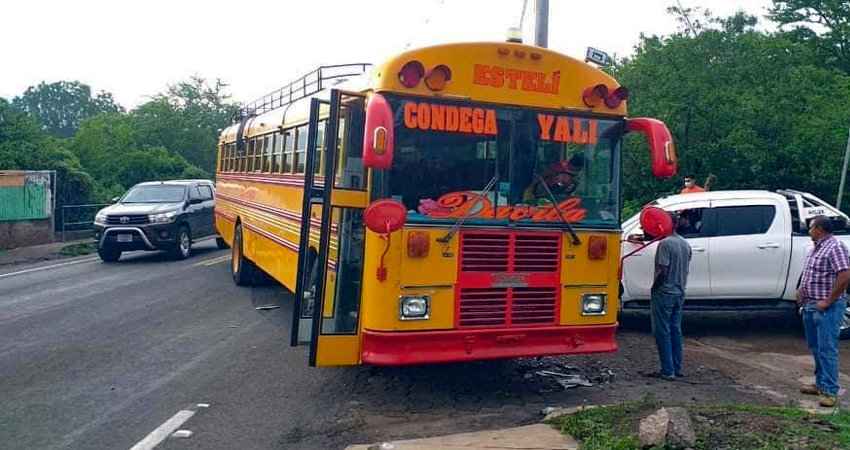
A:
x: 326, y: 313
x: 750, y: 248
x: 638, y: 269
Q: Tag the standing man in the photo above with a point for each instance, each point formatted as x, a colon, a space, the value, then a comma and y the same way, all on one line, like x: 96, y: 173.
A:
x: 821, y: 297
x: 691, y: 185
x: 672, y: 261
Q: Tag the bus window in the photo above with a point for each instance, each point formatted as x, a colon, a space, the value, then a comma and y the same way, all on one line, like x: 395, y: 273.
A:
x: 259, y: 152
x: 430, y: 167
x: 288, y: 144
x: 277, y: 146
x: 320, y: 145
x: 300, y: 149
x: 249, y: 157
x: 267, y: 148
x: 349, y: 169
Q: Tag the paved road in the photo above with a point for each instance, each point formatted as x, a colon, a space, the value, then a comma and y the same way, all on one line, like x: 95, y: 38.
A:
x: 99, y: 356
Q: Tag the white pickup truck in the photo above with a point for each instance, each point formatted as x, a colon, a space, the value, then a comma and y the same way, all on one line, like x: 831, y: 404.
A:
x: 748, y: 249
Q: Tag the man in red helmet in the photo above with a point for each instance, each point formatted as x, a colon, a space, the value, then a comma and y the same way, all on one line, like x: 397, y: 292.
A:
x: 560, y: 177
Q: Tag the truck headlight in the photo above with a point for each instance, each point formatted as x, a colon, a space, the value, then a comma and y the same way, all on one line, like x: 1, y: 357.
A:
x: 100, y: 218
x: 414, y: 307
x: 593, y: 304
x: 163, y: 217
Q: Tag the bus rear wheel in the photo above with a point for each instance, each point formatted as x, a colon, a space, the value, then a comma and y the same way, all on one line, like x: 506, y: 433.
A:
x: 243, y: 270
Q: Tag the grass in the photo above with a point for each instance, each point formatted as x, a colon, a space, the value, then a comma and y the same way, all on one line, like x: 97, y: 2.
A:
x: 738, y: 427
x: 70, y: 251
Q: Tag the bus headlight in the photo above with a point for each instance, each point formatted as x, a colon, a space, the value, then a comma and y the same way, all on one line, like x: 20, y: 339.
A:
x: 414, y: 307
x: 593, y: 304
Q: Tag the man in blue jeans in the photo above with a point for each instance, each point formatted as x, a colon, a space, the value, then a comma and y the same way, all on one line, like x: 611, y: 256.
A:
x: 672, y: 261
x: 821, y: 297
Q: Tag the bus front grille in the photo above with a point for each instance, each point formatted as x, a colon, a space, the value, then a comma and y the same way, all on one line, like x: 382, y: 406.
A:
x: 481, y: 307
x: 508, y: 279
x: 510, y: 252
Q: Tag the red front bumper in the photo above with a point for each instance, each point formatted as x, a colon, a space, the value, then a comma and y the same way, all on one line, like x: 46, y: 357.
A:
x: 382, y: 348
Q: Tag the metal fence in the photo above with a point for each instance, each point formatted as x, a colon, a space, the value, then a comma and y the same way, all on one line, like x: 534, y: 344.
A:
x: 79, y: 218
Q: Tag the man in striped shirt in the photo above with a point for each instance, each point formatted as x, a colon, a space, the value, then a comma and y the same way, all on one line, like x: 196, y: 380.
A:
x: 821, y: 297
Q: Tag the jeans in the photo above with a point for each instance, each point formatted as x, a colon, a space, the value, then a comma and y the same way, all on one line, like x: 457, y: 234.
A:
x: 667, y: 330
x: 822, y: 330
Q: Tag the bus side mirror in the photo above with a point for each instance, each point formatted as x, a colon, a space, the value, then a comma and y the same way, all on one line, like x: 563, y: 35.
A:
x: 384, y: 217
x: 661, y: 147
x: 378, y: 136
x: 656, y: 222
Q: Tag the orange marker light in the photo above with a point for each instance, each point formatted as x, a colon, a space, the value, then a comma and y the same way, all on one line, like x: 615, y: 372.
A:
x: 418, y: 244
x: 594, y: 95
x: 504, y: 51
x: 380, y: 140
x: 597, y: 248
x: 437, y: 77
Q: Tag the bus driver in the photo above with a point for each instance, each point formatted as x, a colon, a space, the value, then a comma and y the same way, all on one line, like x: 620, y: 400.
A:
x: 560, y: 177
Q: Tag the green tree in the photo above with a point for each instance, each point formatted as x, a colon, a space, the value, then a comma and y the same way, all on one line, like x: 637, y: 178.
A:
x: 823, y: 24
x: 758, y: 110
x: 205, y: 109
x: 60, y: 107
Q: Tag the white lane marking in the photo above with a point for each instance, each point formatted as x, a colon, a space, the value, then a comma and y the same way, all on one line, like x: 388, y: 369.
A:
x: 163, y: 431
x: 47, y: 267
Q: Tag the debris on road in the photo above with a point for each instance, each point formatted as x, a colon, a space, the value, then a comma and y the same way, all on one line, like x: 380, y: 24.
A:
x: 567, y: 381
x: 182, y: 434
x: 262, y: 308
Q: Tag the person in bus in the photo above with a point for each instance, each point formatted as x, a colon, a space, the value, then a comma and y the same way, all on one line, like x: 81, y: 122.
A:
x: 560, y: 177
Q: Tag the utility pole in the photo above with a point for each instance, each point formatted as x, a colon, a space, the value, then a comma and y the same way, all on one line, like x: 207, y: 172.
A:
x: 541, y: 23
x: 843, y: 172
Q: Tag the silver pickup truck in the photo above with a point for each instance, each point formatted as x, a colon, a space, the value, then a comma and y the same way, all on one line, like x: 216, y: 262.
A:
x: 748, y: 247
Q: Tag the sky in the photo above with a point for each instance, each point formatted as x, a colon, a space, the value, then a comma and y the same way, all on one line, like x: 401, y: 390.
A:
x: 136, y: 48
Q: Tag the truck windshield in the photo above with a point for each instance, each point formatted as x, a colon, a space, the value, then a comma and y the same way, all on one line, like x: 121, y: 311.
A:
x: 445, y: 153
x: 154, y: 194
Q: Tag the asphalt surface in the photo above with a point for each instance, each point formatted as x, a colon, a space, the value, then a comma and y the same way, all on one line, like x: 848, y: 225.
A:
x: 99, y: 356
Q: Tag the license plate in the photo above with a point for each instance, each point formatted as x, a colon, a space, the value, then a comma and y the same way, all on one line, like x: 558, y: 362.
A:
x: 125, y: 238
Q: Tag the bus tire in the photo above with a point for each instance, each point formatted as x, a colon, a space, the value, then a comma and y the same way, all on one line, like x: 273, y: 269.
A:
x: 243, y: 270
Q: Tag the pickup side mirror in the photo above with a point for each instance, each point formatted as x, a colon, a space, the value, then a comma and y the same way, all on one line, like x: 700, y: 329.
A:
x: 636, y: 237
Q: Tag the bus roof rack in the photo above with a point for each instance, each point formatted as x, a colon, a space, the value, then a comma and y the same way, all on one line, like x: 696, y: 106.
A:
x: 305, y: 86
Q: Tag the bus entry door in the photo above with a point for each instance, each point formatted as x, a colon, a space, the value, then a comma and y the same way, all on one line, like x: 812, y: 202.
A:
x: 330, y: 253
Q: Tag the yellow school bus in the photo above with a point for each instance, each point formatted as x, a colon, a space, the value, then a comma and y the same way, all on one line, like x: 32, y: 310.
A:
x: 459, y: 202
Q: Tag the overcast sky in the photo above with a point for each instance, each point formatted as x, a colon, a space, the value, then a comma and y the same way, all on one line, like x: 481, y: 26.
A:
x: 134, y: 49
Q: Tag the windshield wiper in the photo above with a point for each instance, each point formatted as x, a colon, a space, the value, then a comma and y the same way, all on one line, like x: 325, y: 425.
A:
x: 576, y: 240
x: 459, y: 222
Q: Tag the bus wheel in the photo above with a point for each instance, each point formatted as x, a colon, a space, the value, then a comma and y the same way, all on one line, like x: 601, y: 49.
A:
x: 243, y: 270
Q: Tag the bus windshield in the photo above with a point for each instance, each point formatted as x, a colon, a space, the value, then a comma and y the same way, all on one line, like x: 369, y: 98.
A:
x: 550, y: 165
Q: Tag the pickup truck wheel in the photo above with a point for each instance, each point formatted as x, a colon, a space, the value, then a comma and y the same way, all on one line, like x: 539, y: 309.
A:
x: 845, y: 324
x: 184, y: 244
x: 221, y: 243
x: 242, y: 269
x: 109, y: 254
